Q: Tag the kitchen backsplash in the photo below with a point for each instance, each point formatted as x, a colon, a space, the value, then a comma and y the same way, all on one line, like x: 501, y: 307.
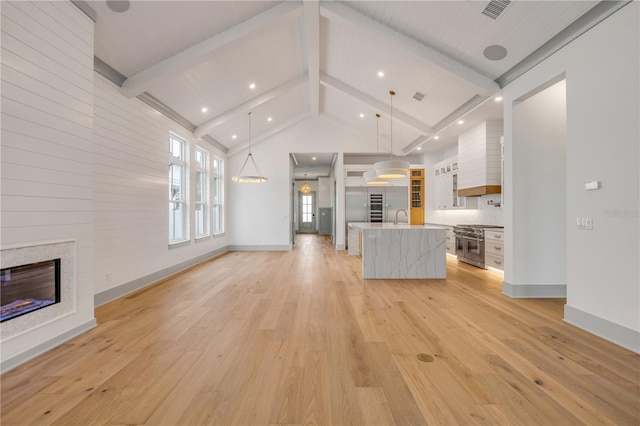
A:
x: 485, y: 214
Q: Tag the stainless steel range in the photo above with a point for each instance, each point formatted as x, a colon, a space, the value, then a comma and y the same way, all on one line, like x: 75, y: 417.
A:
x: 470, y: 243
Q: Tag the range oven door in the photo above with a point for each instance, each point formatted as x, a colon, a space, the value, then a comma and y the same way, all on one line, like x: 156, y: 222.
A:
x: 460, y: 243
x: 474, y: 250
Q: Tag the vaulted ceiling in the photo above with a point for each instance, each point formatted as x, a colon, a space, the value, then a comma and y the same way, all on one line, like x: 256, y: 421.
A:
x: 310, y: 59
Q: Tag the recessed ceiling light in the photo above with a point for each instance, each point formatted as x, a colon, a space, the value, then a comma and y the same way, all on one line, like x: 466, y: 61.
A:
x: 436, y: 137
x: 361, y: 115
x: 313, y: 158
x: 269, y: 119
x: 498, y: 98
x: 252, y: 86
x: 460, y: 121
x: 419, y: 148
x: 204, y: 109
x: 380, y: 73
x: 234, y: 137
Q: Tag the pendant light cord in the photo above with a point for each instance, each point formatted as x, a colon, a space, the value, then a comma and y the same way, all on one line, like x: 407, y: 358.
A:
x: 377, y: 136
x: 249, y: 132
x: 391, y: 126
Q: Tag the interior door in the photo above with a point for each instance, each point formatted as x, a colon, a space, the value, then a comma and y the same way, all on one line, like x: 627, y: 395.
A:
x: 307, y: 212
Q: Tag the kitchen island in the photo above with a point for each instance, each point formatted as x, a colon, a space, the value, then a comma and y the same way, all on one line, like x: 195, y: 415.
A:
x: 399, y: 251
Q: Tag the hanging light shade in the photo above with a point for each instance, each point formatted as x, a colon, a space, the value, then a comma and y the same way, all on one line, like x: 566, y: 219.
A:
x: 370, y: 176
x: 246, y: 178
x: 392, y: 168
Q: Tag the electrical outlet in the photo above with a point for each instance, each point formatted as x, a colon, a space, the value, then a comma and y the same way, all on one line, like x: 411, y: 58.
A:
x: 108, y: 277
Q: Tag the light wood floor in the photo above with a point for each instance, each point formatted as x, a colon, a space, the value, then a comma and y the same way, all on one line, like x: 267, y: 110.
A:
x: 257, y: 338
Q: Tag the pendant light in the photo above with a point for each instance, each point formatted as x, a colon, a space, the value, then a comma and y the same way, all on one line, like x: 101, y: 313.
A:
x: 392, y: 168
x: 370, y: 176
x: 305, y: 187
x: 240, y: 178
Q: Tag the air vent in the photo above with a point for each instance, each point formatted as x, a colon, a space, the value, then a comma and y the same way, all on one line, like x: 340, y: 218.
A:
x: 495, y: 8
x: 418, y: 96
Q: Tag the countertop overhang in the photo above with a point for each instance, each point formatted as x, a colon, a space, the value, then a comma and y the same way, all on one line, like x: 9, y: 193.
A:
x: 390, y: 225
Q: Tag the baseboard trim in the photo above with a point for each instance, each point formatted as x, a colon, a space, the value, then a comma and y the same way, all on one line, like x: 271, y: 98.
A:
x: 340, y: 247
x: 140, y: 283
x: 537, y: 291
x: 283, y: 247
x: 615, y: 333
x: 39, y: 349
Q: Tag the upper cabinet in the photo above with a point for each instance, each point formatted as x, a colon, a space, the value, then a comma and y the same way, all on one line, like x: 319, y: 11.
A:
x: 447, y: 194
x: 479, y: 160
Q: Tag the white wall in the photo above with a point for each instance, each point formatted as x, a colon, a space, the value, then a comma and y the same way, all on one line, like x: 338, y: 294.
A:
x: 260, y: 213
x: 47, y: 149
x: 601, y: 68
x: 131, y: 195
x: 539, y: 185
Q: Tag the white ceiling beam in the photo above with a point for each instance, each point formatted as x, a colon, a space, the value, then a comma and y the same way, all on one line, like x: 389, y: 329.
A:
x: 414, y: 144
x: 269, y: 134
x: 363, y: 97
x: 199, y: 53
x: 312, y: 36
x: 341, y: 14
x: 207, y: 126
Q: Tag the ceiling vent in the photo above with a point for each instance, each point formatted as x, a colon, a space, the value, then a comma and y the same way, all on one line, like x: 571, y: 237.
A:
x: 495, y: 8
x: 418, y: 96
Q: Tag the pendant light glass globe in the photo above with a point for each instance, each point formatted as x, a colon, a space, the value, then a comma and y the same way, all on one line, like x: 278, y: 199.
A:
x: 392, y: 168
x: 240, y: 178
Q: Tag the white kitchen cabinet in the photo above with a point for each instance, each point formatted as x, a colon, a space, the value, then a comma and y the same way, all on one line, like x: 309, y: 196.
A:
x: 446, y: 187
x: 451, y: 242
x: 494, y: 248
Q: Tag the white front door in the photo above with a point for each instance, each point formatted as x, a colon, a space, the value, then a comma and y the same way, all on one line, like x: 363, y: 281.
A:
x: 307, y: 212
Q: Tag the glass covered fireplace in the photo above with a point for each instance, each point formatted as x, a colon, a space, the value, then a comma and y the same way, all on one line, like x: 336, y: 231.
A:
x: 27, y: 288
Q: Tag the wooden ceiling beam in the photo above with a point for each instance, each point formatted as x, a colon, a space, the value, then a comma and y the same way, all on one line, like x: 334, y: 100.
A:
x: 195, y: 55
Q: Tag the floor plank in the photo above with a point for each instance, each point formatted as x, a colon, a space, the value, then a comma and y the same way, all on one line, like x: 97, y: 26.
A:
x: 298, y: 337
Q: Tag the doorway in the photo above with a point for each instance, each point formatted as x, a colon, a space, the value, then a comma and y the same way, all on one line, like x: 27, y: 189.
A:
x: 307, y: 213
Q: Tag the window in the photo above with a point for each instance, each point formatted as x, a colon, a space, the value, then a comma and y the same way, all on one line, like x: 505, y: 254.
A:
x: 202, y: 193
x: 177, y: 190
x: 307, y: 206
x: 218, y: 195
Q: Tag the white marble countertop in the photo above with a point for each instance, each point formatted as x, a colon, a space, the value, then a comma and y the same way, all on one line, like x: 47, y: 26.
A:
x: 390, y: 225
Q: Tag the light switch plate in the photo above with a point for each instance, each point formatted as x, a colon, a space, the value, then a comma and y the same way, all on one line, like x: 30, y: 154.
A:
x: 584, y: 223
x: 592, y: 185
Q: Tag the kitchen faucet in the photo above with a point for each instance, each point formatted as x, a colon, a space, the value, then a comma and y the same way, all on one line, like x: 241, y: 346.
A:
x: 405, y: 215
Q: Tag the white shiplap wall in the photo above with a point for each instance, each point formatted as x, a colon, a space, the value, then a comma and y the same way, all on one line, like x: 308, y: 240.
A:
x: 131, y: 190
x: 47, y: 150
x: 479, y: 155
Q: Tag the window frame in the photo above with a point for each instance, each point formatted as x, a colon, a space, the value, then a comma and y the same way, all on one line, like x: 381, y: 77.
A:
x: 204, y: 203
x: 182, y: 162
x: 217, y: 200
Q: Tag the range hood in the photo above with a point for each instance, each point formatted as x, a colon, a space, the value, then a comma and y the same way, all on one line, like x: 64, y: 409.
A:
x: 479, y: 160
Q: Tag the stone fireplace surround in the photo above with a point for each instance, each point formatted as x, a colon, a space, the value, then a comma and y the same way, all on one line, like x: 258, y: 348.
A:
x: 22, y: 255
